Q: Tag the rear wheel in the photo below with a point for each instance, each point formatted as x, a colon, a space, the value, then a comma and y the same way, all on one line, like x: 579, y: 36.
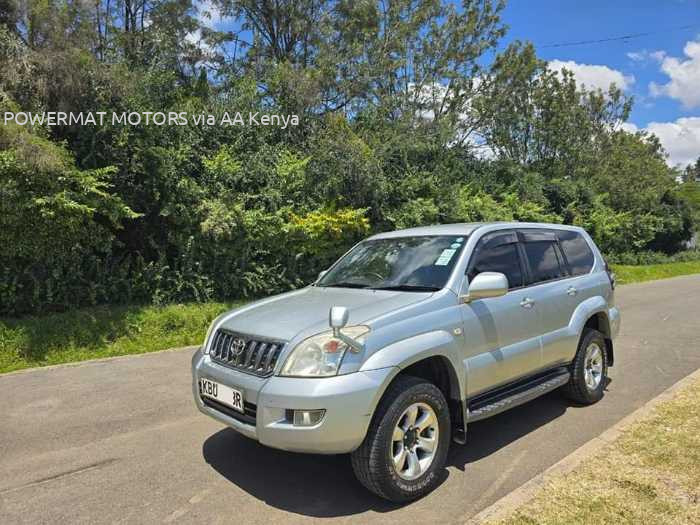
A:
x: 407, y: 442
x: 590, y: 369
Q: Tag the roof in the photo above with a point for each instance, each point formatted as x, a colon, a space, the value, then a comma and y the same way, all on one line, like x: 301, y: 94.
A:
x: 464, y: 228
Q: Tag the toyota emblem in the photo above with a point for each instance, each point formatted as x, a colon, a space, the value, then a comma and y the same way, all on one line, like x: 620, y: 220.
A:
x: 237, y: 346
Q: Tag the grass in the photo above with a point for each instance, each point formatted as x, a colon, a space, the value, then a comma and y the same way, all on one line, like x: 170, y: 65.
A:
x: 651, y: 474
x: 636, y: 274
x: 103, y: 331
x: 106, y: 331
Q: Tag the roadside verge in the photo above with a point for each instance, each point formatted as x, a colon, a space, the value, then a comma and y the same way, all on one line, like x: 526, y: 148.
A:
x: 509, y: 507
x: 71, y: 364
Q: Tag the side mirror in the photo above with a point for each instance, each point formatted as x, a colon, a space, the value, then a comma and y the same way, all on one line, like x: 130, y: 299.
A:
x: 486, y: 284
x: 320, y: 275
x: 338, y: 317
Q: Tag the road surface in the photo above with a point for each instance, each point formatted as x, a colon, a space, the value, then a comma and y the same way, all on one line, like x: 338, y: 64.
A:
x: 121, y: 440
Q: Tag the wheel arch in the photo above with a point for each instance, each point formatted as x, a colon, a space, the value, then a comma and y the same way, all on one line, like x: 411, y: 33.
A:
x: 421, y: 353
x: 436, y: 369
x: 593, y: 313
x: 599, y: 321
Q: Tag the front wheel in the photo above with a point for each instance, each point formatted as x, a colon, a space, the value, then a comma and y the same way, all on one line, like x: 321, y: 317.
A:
x: 407, y: 442
x: 590, y: 369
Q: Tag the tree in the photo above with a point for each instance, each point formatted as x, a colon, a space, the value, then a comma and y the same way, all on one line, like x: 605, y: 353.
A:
x: 408, y: 59
x: 692, y: 172
x: 405, y: 119
x: 532, y: 115
x: 57, y: 224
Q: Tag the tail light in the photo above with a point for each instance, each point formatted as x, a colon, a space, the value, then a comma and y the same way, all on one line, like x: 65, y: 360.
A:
x: 611, y: 274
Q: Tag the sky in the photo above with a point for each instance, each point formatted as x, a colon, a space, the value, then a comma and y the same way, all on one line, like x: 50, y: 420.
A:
x: 652, y: 52
x: 658, y: 64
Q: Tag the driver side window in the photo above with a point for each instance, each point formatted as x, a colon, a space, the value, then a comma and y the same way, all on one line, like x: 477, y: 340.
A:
x: 498, y: 257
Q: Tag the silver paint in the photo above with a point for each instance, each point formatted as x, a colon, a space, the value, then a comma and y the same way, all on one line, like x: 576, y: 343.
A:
x: 487, y: 342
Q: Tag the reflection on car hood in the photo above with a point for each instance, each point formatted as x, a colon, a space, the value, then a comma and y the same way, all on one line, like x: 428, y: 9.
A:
x: 306, y: 310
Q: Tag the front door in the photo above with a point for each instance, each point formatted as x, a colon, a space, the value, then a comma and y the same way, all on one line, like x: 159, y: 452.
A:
x: 502, y: 334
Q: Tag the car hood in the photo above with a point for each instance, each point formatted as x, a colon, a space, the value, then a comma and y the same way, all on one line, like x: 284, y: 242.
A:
x: 305, y: 312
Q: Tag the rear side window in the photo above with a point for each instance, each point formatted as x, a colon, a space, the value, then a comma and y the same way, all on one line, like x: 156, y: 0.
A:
x: 544, y: 260
x: 503, y: 258
x: 577, y: 251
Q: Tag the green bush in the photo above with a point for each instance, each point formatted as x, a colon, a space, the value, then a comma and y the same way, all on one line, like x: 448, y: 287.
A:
x: 393, y: 132
x: 647, y: 257
x: 57, y: 225
x: 102, y: 331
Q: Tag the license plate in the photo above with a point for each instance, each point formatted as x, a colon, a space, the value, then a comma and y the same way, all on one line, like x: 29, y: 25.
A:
x: 223, y: 394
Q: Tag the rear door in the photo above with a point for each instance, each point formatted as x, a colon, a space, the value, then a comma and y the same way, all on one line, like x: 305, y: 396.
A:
x: 501, y: 333
x: 550, y: 286
x: 581, y: 285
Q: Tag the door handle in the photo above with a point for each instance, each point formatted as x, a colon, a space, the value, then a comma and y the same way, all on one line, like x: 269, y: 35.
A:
x: 527, y: 303
x: 571, y: 291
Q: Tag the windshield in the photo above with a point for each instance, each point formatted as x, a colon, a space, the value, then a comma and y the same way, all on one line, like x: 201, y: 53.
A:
x: 420, y: 264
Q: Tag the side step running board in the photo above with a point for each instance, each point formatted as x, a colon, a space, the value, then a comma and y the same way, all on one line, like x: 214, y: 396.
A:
x: 508, y: 397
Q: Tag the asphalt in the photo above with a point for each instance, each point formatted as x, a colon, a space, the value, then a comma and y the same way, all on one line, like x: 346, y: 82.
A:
x: 120, y: 441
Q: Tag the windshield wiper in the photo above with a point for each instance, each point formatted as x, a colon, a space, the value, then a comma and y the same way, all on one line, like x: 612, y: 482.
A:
x: 343, y: 285
x: 408, y: 288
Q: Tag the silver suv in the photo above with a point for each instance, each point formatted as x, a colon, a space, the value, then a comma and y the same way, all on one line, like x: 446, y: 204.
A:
x: 406, y: 339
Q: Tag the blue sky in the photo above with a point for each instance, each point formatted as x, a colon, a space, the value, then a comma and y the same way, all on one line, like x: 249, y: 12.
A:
x: 654, y: 68
x: 659, y: 64
x: 547, y: 22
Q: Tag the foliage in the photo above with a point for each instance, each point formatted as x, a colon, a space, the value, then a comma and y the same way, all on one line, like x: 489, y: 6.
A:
x: 689, y: 193
x: 91, y: 333
x: 106, y: 331
x: 56, y: 222
x: 404, y: 121
x: 326, y: 232
x: 636, y: 274
x: 647, y: 258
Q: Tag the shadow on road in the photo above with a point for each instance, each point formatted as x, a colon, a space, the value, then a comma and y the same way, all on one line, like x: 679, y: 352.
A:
x: 490, y: 435
x: 325, y: 486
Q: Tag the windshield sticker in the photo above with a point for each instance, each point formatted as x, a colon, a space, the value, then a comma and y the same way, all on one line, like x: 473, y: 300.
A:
x: 460, y: 239
x: 445, y: 257
x: 456, y: 245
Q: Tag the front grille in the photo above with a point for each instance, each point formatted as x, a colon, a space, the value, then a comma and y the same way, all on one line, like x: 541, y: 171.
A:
x: 248, y: 354
x: 248, y: 416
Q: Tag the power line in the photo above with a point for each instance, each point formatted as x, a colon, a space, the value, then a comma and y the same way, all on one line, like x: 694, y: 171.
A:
x: 618, y: 38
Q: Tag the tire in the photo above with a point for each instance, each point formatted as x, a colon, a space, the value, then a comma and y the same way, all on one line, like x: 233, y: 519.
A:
x: 373, y: 461
x: 585, y: 386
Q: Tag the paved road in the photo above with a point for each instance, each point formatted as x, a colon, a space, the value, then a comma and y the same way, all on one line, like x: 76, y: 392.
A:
x: 121, y: 441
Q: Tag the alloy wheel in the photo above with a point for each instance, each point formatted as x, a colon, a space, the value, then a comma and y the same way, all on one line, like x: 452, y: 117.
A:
x: 414, y: 441
x: 593, y: 366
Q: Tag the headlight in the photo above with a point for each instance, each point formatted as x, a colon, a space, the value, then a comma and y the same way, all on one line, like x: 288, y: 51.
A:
x: 321, y: 355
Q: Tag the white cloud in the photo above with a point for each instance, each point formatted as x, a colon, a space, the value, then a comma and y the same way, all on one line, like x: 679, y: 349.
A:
x: 194, y: 37
x: 684, y: 75
x: 208, y: 53
x: 644, y: 55
x: 681, y: 139
x: 658, y: 55
x: 594, y: 76
x: 208, y: 14
x: 432, y: 96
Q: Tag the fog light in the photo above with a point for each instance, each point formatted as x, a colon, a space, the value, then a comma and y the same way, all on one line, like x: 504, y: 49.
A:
x: 308, y: 418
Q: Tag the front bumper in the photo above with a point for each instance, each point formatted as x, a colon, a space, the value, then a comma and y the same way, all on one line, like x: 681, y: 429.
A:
x: 349, y: 401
